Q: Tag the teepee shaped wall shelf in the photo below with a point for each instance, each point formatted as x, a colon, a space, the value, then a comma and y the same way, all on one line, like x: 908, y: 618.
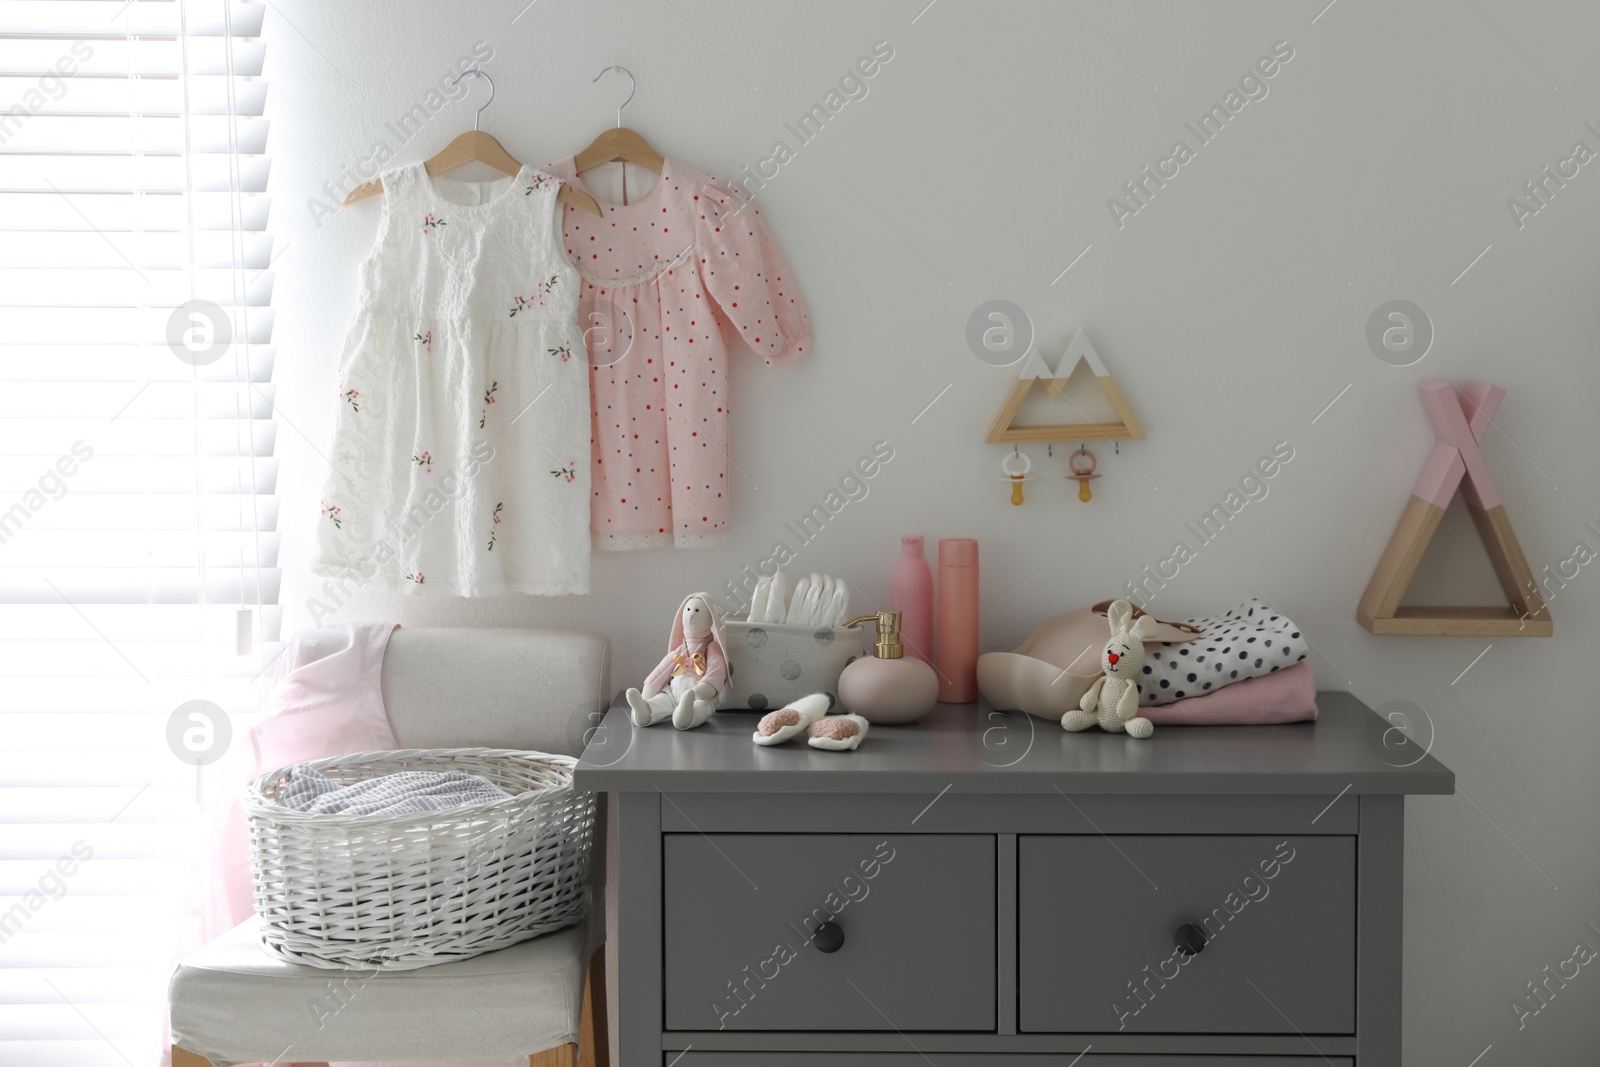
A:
x: 1034, y: 368
x: 1460, y: 417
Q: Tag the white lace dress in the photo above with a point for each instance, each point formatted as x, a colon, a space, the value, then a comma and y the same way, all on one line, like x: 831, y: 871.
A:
x: 461, y: 447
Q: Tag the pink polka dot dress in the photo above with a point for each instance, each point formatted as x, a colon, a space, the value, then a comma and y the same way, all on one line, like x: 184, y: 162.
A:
x: 667, y: 280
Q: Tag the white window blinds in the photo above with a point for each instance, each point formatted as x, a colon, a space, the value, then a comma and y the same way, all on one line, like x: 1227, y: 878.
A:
x: 138, y: 543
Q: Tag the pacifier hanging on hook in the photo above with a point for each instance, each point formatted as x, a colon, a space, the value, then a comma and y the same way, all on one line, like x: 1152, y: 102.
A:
x: 1081, y: 466
x: 1015, y: 468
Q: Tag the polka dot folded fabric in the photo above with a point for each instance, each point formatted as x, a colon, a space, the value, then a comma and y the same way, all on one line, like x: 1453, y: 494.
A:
x: 667, y: 281
x: 1244, y: 642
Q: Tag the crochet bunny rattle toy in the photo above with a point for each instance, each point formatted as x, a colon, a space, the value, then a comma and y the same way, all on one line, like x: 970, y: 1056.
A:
x: 1113, y: 699
x: 688, y: 684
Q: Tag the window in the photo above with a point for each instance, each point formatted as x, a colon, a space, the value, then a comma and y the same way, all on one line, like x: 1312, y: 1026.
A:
x: 138, y: 544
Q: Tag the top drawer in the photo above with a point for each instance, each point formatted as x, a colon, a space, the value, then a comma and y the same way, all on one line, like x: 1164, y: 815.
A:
x: 916, y: 913
x: 1100, y: 920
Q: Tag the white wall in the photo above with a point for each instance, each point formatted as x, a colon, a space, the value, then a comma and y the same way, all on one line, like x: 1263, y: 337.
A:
x: 1232, y: 308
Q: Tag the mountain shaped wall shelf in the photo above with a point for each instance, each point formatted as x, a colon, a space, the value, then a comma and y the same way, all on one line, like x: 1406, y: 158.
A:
x: 1460, y: 418
x: 1034, y: 368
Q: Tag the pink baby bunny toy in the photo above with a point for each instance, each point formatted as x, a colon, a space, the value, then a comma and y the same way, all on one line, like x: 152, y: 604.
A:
x: 687, y: 685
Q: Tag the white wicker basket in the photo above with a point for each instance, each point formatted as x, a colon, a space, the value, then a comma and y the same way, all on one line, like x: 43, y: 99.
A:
x: 394, y: 892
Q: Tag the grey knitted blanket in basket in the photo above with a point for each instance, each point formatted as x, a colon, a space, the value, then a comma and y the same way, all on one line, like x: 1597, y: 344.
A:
x: 401, y: 793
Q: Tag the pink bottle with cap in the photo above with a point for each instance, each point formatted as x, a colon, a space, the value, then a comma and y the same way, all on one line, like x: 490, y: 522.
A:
x: 912, y: 596
x: 957, y: 659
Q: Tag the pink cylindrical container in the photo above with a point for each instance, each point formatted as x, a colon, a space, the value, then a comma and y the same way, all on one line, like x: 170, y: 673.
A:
x: 957, y: 657
x: 912, y: 596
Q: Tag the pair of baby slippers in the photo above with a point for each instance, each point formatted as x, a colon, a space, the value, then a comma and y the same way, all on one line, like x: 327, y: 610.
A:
x: 809, y: 715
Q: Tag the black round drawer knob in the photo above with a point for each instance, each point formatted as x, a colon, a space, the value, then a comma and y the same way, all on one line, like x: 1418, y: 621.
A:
x: 1191, y: 940
x: 829, y: 937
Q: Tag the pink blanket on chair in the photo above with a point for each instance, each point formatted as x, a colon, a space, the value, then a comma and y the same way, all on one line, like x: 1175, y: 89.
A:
x: 327, y: 700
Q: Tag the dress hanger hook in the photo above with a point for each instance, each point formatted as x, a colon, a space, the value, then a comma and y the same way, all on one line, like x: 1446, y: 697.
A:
x: 476, y: 118
x: 633, y: 87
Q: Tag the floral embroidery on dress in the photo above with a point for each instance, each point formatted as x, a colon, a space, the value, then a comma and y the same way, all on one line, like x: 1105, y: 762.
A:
x: 493, y: 533
x: 417, y: 577
x: 351, y: 397
x: 488, y: 398
x: 425, y: 340
x: 331, y: 513
x: 425, y: 461
x: 542, y: 290
x: 430, y: 222
x: 564, y: 350
x: 539, y: 182
x: 569, y: 472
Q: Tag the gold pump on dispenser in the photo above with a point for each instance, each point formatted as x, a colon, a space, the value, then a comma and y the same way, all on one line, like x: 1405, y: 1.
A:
x: 888, y: 644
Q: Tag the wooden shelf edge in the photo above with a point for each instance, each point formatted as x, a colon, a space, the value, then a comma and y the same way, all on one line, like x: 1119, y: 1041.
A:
x: 1456, y: 622
x: 1066, y: 432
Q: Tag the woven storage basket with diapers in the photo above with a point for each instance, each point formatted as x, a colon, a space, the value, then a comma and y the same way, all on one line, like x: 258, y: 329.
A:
x: 398, y: 860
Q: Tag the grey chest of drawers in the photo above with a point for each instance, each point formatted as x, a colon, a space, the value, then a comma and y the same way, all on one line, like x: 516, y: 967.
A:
x: 983, y: 888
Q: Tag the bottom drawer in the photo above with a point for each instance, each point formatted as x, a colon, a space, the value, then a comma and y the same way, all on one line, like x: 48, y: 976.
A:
x: 945, y: 1059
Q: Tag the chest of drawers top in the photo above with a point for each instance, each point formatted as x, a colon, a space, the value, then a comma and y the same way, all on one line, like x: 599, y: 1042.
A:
x: 970, y: 748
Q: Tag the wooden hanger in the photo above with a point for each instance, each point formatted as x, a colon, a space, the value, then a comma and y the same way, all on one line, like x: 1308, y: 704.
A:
x: 619, y: 144
x: 476, y: 146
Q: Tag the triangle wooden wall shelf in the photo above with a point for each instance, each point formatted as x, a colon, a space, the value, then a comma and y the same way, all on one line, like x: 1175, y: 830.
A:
x: 1460, y: 418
